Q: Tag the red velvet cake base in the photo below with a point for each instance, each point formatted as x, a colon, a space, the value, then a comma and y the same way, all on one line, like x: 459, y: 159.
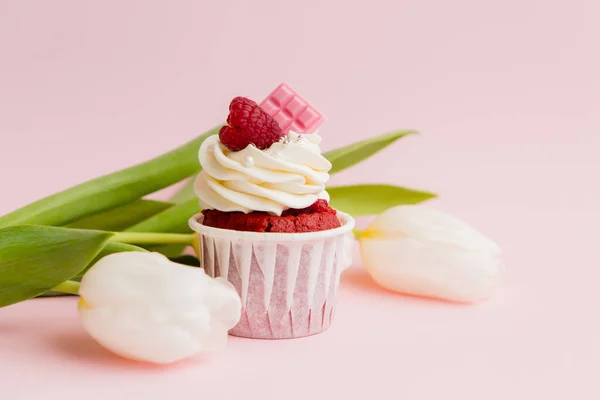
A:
x: 319, y: 217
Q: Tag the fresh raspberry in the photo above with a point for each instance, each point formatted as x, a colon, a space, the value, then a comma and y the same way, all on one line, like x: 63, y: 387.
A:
x: 248, y: 123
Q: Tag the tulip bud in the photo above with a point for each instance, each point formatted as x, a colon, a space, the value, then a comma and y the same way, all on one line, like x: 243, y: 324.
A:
x: 145, y: 307
x: 421, y: 251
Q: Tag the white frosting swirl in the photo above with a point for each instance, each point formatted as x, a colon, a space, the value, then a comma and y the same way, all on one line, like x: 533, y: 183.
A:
x: 289, y: 174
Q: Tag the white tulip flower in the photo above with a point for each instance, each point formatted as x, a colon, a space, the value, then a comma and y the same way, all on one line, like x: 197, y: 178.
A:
x: 145, y: 307
x: 421, y: 251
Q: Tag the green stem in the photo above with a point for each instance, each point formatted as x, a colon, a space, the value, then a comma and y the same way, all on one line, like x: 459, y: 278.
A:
x: 68, y: 287
x: 153, y: 238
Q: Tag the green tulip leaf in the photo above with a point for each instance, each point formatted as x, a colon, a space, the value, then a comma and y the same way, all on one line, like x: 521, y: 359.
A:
x: 53, y: 293
x: 123, y: 217
x: 186, y: 260
x: 359, y: 200
x: 348, y: 156
x: 172, y: 220
x: 34, y: 259
x: 168, y: 250
x: 112, y: 190
x: 109, y: 248
x: 186, y: 193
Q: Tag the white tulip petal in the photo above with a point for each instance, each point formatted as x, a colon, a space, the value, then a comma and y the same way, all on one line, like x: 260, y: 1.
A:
x: 138, y: 339
x: 227, y: 305
x: 424, y: 252
x: 143, y: 306
x: 430, y: 225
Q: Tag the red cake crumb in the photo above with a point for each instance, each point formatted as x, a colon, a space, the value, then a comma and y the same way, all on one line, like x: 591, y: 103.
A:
x: 318, y: 217
x: 320, y: 206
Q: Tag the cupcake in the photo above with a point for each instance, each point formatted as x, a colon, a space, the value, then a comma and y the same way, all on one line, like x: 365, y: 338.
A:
x: 266, y: 225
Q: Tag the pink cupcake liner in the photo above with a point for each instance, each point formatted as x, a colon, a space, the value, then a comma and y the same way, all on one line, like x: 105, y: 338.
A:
x: 288, y: 282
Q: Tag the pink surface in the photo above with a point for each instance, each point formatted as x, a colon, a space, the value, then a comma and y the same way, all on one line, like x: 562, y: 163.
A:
x: 291, y: 111
x: 505, y: 93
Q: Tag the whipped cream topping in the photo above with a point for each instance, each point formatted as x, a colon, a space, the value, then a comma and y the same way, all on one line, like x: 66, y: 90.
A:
x: 290, y: 174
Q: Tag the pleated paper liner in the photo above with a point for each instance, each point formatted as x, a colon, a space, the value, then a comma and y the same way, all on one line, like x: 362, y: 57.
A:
x: 288, y: 282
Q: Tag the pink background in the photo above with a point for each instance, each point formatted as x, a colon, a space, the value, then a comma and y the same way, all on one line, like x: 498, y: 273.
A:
x: 505, y: 93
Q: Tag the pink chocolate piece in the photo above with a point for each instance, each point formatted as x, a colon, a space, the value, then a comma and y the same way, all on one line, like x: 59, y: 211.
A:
x: 291, y: 111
